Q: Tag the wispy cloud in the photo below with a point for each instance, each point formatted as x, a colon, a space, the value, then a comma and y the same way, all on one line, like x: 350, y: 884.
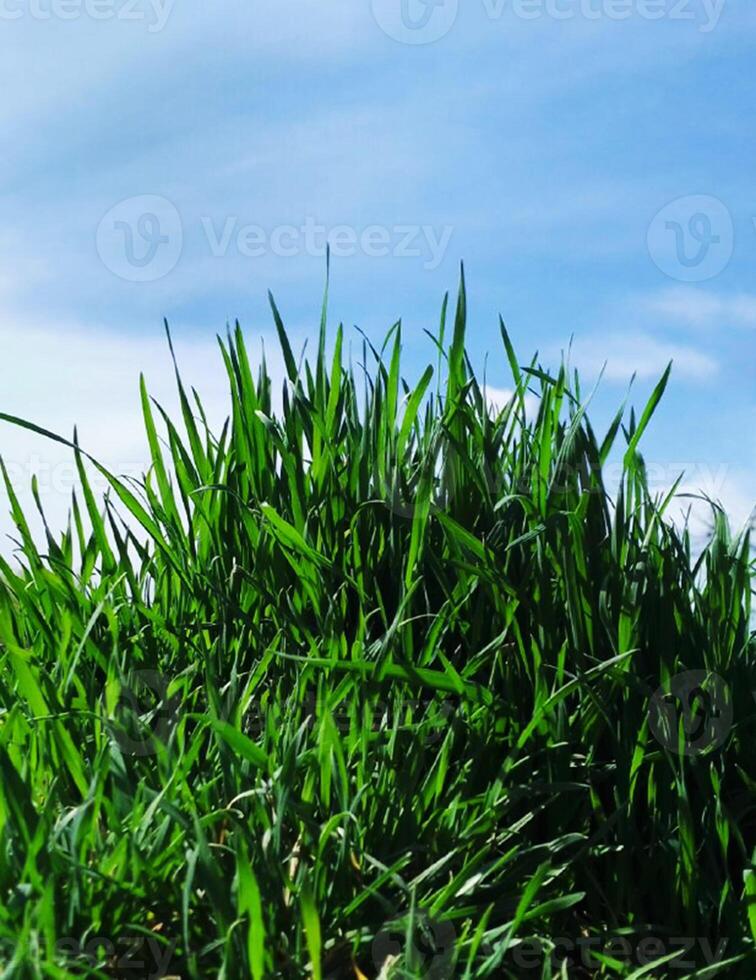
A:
x: 623, y: 355
x: 270, y: 115
x: 733, y: 491
x: 78, y: 376
x: 704, y: 308
x: 499, y: 398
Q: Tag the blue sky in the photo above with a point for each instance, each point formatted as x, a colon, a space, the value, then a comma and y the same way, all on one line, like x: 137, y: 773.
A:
x: 589, y: 160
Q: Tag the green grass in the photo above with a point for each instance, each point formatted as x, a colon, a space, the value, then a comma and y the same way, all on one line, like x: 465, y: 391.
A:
x: 366, y: 687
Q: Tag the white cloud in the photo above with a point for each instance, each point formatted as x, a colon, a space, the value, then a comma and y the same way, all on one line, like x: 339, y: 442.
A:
x: 703, y: 484
x: 499, y: 398
x: 64, y: 62
x: 89, y: 378
x: 734, y: 491
x: 701, y: 308
x: 626, y: 354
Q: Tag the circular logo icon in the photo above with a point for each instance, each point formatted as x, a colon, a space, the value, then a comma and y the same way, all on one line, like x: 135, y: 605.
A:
x: 696, y: 705
x: 431, y: 950
x: 692, y: 239
x: 145, y: 714
x: 140, y: 239
x: 415, y: 21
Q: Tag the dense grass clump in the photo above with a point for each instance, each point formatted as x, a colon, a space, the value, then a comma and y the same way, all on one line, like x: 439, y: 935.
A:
x: 381, y: 684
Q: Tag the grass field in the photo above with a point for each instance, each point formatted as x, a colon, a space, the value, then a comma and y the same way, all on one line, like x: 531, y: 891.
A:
x: 370, y: 686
